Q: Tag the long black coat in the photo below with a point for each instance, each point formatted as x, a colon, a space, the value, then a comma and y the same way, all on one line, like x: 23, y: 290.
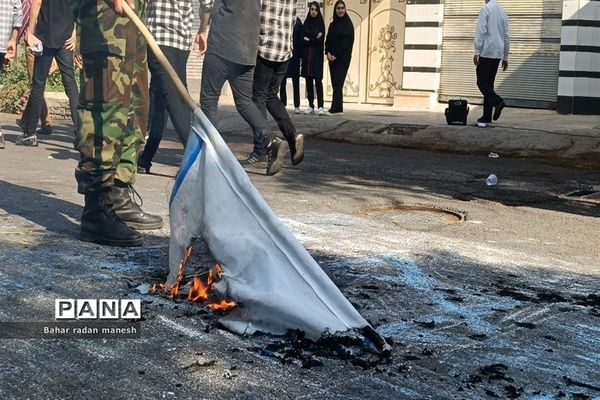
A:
x: 313, y: 55
x: 293, y: 70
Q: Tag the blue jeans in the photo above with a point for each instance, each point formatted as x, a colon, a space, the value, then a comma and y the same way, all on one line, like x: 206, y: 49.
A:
x: 41, y: 68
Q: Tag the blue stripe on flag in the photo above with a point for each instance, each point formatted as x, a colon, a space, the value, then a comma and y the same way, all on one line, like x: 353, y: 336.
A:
x: 193, y: 149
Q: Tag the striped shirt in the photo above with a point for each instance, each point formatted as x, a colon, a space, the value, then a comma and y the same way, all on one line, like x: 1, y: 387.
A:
x: 10, y: 17
x: 277, y: 19
x: 170, y: 22
x: 25, y: 24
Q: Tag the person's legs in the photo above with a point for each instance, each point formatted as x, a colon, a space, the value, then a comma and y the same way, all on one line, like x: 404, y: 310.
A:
x: 486, y: 74
x: 179, y: 111
x: 274, y: 106
x: 250, y: 90
x: 101, y: 127
x: 310, y: 92
x: 215, y: 71
x: 337, y: 82
x: 157, y: 112
x: 41, y: 68
x: 280, y: 115
x: 283, y: 93
x: 45, y: 119
x: 339, y: 69
x: 64, y: 59
x: 296, y: 86
x: 319, y: 86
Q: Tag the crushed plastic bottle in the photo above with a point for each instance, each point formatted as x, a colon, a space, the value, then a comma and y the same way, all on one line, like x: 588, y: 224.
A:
x: 491, y: 180
x: 493, y: 155
x: 37, y: 49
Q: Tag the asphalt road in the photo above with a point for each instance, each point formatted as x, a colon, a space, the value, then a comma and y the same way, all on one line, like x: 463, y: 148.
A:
x: 484, y: 291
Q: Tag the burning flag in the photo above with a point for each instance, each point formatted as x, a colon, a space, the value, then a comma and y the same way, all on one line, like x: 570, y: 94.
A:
x: 274, y: 281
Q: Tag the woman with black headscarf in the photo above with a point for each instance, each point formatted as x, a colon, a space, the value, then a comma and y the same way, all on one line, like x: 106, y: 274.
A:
x: 312, y: 57
x: 338, y: 47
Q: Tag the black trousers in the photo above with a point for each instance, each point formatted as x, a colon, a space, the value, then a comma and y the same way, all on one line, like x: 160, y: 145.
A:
x: 217, y: 70
x: 267, y: 81
x: 486, y: 76
x: 296, y: 87
x: 311, y: 83
x: 338, y: 70
x: 41, y: 68
x: 2, y: 55
x: 165, y: 98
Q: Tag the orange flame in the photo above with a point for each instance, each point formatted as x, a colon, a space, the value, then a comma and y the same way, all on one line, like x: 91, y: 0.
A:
x: 199, y: 291
x: 222, y: 305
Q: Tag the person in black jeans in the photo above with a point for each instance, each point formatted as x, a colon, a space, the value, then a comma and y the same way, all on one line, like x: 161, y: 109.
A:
x: 51, y: 25
x: 338, y: 47
x: 275, y: 50
x: 231, y: 48
x: 170, y: 23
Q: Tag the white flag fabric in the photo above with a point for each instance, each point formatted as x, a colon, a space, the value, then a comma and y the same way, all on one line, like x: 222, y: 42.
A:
x: 275, y: 282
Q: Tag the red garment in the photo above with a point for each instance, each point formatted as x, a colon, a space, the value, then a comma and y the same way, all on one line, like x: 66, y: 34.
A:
x: 26, y: 6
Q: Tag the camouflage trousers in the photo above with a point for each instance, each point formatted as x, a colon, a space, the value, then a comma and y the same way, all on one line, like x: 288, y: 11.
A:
x: 113, y: 116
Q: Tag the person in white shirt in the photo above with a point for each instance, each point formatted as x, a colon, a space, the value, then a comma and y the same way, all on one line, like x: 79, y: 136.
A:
x: 492, y: 44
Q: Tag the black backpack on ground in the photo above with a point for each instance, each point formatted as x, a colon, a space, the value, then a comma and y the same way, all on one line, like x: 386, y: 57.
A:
x: 457, y: 111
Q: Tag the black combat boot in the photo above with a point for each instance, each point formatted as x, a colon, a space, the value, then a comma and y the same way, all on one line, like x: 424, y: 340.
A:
x: 100, y: 223
x: 129, y: 211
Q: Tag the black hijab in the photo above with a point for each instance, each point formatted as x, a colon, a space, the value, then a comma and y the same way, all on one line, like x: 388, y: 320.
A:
x: 314, y: 25
x: 345, y: 18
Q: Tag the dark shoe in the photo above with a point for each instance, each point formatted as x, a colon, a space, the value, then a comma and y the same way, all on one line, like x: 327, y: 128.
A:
x: 143, y: 170
x: 100, y: 223
x: 484, y: 120
x: 129, y: 211
x: 297, y: 149
x: 44, y: 130
x: 27, y: 140
x: 254, y: 158
x: 275, y: 154
x: 498, y: 110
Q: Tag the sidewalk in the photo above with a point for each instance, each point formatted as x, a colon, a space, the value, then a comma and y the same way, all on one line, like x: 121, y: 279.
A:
x: 566, y: 139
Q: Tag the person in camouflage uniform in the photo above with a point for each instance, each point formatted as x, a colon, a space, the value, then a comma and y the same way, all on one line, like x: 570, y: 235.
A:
x: 113, y: 114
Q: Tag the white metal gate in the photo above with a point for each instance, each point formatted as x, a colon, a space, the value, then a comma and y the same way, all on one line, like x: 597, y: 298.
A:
x: 532, y: 77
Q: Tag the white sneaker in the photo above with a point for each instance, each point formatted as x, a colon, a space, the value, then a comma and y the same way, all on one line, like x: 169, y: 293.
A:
x: 309, y: 111
x: 322, y: 111
x: 296, y: 110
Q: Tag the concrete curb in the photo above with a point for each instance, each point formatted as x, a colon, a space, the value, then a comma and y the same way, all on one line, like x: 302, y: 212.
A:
x: 575, y: 148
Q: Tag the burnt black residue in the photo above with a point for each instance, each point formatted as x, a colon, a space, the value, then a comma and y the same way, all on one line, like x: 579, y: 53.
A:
x: 509, y: 292
x: 295, y: 348
x: 493, y: 372
x: 527, y: 325
x: 591, y: 300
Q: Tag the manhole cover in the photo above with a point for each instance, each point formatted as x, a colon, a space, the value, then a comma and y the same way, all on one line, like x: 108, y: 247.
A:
x: 413, y: 216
